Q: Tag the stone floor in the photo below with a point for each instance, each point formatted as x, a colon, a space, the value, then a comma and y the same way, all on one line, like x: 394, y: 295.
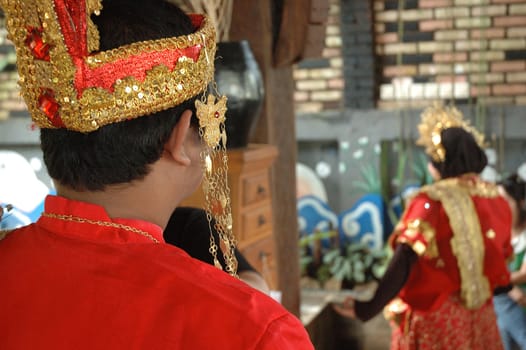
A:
x: 330, y: 331
x: 377, y: 334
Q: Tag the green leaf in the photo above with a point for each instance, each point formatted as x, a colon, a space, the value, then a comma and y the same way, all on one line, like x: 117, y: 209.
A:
x: 400, y: 171
x: 359, y: 276
x: 336, y: 265
x: 346, y: 269
x: 331, y: 255
x: 371, y: 179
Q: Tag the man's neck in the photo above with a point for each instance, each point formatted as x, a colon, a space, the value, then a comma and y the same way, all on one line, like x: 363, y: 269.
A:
x: 131, y: 201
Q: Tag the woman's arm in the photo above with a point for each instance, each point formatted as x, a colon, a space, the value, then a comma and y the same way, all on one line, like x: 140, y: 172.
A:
x: 391, y: 283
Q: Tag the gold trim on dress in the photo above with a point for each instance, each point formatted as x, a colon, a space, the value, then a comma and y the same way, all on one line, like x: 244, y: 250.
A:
x: 412, y: 230
x: 467, y: 242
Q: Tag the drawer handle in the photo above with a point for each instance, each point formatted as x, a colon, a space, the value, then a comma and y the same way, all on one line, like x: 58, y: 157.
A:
x: 261, y: 190
x: 261, y: 220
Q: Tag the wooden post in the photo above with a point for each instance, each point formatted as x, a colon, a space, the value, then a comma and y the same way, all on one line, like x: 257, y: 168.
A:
x: 252, y: 21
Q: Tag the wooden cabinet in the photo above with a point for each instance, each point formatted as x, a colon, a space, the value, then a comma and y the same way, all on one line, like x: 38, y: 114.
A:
x: 249, y: 182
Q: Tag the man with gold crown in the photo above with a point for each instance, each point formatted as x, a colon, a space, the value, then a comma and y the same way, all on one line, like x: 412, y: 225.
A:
x: 120, y: 92
x: 450, y: 248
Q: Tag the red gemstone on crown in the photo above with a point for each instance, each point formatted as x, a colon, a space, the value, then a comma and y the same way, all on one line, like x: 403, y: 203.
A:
x: 34, y: 41
x: 49, y: 105
x: 216, y: 114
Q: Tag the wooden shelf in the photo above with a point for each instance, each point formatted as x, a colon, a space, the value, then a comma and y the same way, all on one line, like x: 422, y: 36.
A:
x: 251, y: 201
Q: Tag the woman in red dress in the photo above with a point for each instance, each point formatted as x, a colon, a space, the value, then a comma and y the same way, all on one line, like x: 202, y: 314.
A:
x: 450, y: 248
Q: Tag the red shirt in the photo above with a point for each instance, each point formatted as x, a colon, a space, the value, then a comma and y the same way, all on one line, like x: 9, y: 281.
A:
x: 460, y: 228
x: 78, y: 279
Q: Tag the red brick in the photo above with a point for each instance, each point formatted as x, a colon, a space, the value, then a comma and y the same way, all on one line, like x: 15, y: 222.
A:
x: 434, y: 3
x: 509, y: 89
x: 490, y: 33
x: 386, y: 38
x: 329, y: 52
x: 337, y: 83
x: 508, y: 66
x: 433, y: 25
x: 509, y: 21
x: 450, y: 57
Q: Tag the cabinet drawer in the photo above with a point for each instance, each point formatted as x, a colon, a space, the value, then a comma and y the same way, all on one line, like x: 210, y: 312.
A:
x: 255, y: 221
x: 256, y: 188
x: 261, y: 255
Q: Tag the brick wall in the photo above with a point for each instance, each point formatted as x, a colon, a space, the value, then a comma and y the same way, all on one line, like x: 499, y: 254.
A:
x: 320, y: 82
x: 451, y: 49
x: 359, y: 65
x: 424, y: 50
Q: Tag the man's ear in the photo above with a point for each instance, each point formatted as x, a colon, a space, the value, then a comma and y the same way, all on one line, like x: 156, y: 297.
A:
x: 175, y: 145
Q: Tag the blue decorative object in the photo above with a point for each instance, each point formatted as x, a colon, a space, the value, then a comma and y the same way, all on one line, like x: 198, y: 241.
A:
x: 363, y: 222
x: 315, y: 215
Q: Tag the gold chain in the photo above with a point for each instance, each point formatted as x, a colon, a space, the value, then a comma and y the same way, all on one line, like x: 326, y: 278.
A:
x: 101, y: 223
x: 211, y: 115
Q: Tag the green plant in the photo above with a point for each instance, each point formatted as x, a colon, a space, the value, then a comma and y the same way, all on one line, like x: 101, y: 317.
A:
x: 371, y: 181
x: 356, y: 264
x: 311, y: 254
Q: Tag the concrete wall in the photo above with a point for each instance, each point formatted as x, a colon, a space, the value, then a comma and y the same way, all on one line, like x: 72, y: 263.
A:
x: 357, y: 136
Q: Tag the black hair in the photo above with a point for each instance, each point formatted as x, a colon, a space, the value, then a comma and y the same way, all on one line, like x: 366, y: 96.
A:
x: 119, y: 152
x: 516, y: 188
x: 463, y: 154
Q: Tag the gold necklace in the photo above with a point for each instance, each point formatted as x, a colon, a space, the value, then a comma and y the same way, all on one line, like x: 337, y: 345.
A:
x: 101, y: 223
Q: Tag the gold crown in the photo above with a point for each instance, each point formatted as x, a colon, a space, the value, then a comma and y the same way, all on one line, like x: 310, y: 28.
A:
x: 66, y: 83
x: 436, y: 119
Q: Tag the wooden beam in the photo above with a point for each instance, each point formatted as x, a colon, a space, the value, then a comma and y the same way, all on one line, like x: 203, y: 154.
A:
x: 252, y: 21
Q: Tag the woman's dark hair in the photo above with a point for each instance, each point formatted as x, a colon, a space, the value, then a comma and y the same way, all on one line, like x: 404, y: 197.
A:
x: 120, y: 152
x: 516, y: 188
x: 463, y: 154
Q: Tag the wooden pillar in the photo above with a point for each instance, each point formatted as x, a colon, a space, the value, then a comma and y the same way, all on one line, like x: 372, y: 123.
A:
x: 252, y: 21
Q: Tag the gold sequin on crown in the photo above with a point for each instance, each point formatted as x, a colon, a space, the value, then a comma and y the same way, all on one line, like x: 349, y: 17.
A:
x: 65, y: 85
x: 436, y: 119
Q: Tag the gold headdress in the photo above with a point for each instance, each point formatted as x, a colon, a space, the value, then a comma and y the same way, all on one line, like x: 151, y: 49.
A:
x: 434, y: 120
x: 68, y: 83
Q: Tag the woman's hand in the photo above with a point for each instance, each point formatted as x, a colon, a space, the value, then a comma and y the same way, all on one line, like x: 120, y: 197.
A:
x: 346, y: 308
x: 517, y: 295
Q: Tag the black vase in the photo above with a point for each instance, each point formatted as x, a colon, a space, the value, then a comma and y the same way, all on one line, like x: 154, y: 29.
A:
x: 238, y: 76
